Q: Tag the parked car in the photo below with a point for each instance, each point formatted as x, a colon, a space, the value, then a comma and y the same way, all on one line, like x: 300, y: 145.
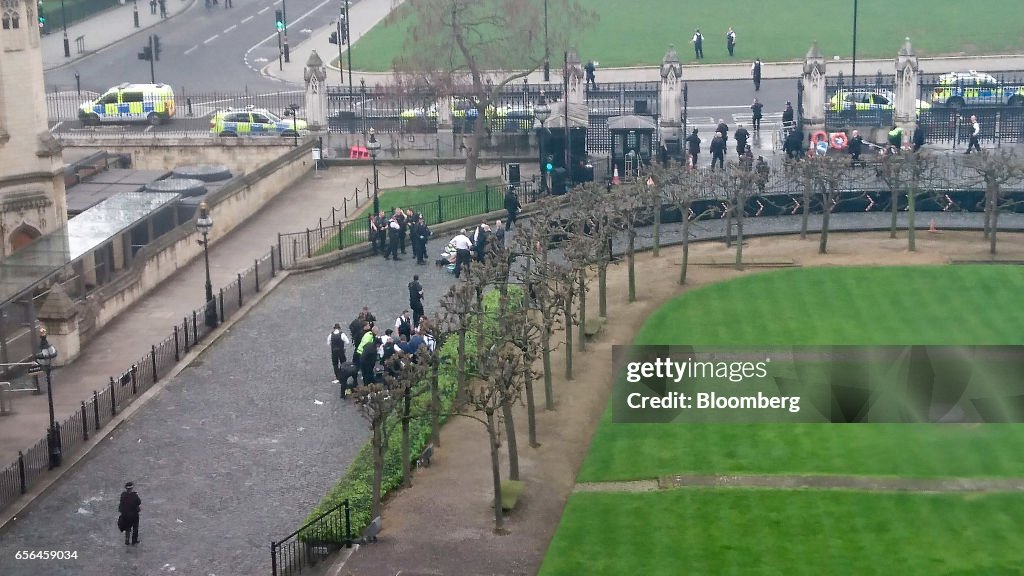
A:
x: 254, y: 122
x: 863, y: 100
x: 975, y: 88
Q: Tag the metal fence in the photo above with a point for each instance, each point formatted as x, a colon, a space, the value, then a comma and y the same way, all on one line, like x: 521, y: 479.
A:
x: 999, y: 124
x: 293, y: 247
x: 120, y: 391
x: 310, y: 544
x: 864, y: 102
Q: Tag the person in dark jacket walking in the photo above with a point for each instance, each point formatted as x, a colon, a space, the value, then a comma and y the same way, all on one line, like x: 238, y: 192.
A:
x: 693, y: 147
x: 919, y: 137
x: 718, y: 151
x: 787, y: 117
x: 416, y: 299
x: 723, y: 129
x: 755, y: 73
x: 512, y: 207
x: 129, y: 509
x: 856, y: 148
x: 755, y: 113
x: 741, y: 135
x: 591, y: 79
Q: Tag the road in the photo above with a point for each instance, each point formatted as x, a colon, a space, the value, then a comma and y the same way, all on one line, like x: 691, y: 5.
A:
x: 203, y: 50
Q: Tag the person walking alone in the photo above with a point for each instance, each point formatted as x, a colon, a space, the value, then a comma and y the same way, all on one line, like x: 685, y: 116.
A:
x: 590, y: 68
x: 337, y: 340
x: 975, y: 142
x: 755, y: 113
x: 741, y: 135
x: 416, y: 299
x: 755, y: 73
x: 730, y: 40
x: 698, y: 44
x: 512, y: 207
x: 129, y: 508
x: 693, y: 147
x: 718, y: 151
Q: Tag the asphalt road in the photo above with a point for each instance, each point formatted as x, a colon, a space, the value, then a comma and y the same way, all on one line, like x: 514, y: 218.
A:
x: 204, y: 50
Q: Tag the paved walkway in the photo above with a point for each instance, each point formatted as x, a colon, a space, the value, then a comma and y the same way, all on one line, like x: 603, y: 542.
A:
x: 103, y: 29
x: 152, y: 319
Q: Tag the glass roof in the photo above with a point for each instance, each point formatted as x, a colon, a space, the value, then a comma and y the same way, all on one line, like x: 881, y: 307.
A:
x: 48, y: 254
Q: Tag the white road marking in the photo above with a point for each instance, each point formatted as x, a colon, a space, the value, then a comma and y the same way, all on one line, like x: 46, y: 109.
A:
x: 274, y: 35
x: 717, y: 107
x: 277, y: 2
x: 265, y: 8
x: 246, y: 19
x: 191, y: 50
x: 230, y: 28
x: 211, y: 39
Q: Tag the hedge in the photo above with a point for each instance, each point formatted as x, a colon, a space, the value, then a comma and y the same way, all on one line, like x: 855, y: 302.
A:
x: 357, y: 483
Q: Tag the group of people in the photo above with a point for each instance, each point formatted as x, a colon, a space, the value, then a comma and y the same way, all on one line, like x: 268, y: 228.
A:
x: 719, y: 145
x: 388, y: 234
x: 373, y: 347
x: 464, y: 248
x: 698, y: 43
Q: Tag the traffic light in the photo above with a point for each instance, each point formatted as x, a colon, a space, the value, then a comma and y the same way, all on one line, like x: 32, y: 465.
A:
x: 548, y: 165
x: 343, y: 26
x: 147, y: 53
x: 334, y: 38
x: 42, y: 15
x: 279, y: 20
x: 156, y: 47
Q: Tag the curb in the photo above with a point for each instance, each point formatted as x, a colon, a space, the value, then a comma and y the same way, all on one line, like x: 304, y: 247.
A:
x: 135, y: 32
x: 43, y: 487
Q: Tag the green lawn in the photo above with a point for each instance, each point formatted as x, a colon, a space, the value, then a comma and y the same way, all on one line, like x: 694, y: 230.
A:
x: 786, y: 533
x: 637, y: 33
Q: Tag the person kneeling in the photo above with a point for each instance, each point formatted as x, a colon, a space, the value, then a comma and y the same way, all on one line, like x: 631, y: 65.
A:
x: 346, y: 372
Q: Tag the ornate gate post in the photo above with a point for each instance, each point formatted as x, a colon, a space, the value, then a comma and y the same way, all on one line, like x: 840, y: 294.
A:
x: 813, y: 82
x: 906, y: 90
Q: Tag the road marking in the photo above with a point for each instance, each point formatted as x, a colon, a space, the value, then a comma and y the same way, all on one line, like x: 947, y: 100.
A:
x: 191, y: 50
x: 230, y: 28
x: 265, y: 8
x: 247, y: 19
x: 277, y: 2
x: 274, y: 35
x: 211, y: 39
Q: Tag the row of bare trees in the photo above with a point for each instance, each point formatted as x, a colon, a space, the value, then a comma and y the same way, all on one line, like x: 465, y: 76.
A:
x: 529, y: 298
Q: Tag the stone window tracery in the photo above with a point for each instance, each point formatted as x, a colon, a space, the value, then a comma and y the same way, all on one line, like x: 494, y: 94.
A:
x: 10, y: 15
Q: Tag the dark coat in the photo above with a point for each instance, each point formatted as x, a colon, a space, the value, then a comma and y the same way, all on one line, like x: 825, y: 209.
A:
x: 741, y: 137
x: 856, y: 145
x: 511, y: 202
x: 693, y: 143
x: 718, y: 146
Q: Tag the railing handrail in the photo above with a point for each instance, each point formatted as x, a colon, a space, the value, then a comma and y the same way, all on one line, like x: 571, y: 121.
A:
x: 309, y: 524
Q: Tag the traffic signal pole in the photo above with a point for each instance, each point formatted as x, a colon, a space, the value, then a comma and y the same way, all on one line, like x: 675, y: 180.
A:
x: 152, y: 58
x: 284, y: 14
x: 341, y: 67
x: 348, y: 42
x: 280, y: 52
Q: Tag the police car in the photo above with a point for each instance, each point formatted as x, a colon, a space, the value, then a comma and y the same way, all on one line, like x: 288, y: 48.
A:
x: 152, y: 103
x: 973, y: 87
x: 865, y: 100
x: 254, y: 122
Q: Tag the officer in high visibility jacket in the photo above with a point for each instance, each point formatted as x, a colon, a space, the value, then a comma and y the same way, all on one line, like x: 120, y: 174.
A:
x: 896, y: 137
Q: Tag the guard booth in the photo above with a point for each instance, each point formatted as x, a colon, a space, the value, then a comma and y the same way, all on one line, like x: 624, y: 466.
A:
x: 632, y: 143
x: 552, y: 141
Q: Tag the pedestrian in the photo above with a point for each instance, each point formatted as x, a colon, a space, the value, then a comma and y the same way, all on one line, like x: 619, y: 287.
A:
x: 366, y: 352
x: 480, y: 239
x: 337, y: 340
x: 128, y: 521
x: 394, y: 229
x: 416, y: 299
x: 349, y: 372
x: 663, y: 154
x: 462, y: 255
x: 919, y: 136
x: 755, y: 73
x: 741, y: 136
x: 693, y: 147
x: 762, y: 170
x: 718, y: 151
x: 698, y: 44
x: 730, y: 40
x: 163, y: 8
x: 512, y: 207
x: 372, y: 219
x: 747, y: 159
x: 499, y: 233
x: 356, y: 327
x: 974, y: 142
x: 382, y: 231
x: 152, y: 6
x: 591, y: 79
x: 403, y: 228
x: 787, y: 117
x: 755, y: 114
x: 723, y: 129
x: 856, y: 148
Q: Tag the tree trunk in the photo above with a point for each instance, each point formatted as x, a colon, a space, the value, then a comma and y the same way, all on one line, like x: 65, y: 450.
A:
x: 988, y: 210
x: 549, y: 393
x: 657, y: 229
x: 739, y: 238
x: 568, y: 336
x: 531, y: 409
x: 479, y: 327
x: 728, y: 227
x: 602, y: 289
x: 460, y: 377
x: 630, y: 248
x: 995, y: 223
x: 406, y: 449
x: 686, y: 246
x: 895, y: 211
x: 583, y: 310
x: 826, y: 212
x: 435, y: 402
x: 911, y: 213
x: 473, y: 153
x: 513, y: 447
x: 492, y: 435
x: 378, y: 467
x: 805, y: 216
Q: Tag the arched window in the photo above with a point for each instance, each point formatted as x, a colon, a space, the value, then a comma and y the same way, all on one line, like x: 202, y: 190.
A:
x: 22, y: 236
x: 10, y: 16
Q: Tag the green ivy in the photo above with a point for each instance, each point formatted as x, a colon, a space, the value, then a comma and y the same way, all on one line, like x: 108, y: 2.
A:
x: 357, y: 483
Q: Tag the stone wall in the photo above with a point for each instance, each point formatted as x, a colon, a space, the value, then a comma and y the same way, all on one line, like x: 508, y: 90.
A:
x: 239, y: 154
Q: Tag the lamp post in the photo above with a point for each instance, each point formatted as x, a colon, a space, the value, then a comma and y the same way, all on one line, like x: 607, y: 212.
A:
x: 542, y: 112
x: 547, y: 63
x: 853, y: 75
x: 284, y: 17
x: 372, y: 146
x: 293, y: 109
x: 64, y: 22
x: 203, y: 225
x: 348, y: 42
x: 135, y: 12
x: 47, y: 353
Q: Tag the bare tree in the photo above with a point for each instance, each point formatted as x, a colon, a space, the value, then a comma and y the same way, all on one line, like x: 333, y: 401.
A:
x: 474, y: 48
x: 828, y: 174
x: 907, y: 174
x: 458, y: 308
x: 739, y: 182
x: 377, y: 402
x: 682, y: 187
x: 632, y: 201
x: 994, y: 169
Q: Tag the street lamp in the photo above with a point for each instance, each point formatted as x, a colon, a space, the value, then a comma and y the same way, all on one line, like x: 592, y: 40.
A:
x: 547, y: 63
x: 47, y: 353
x: 373, y: 147
x: 203, y: 225
x: 284, y: 18
x: 67, y: 45
x: 292, y: 110
x: 542, y: 112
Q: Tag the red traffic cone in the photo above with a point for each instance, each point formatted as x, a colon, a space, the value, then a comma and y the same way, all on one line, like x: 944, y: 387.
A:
x: 615, y: 176
x: 932, y: 228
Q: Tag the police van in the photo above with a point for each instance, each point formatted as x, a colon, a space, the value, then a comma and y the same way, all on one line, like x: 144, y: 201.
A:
x: 152, y: 103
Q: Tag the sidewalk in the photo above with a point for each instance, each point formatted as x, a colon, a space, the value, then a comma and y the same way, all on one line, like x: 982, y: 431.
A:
x: 150, y: 320
x: 103, y: 29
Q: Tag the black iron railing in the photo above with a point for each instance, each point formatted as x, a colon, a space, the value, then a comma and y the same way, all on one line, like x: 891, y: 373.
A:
x: 310, y: 544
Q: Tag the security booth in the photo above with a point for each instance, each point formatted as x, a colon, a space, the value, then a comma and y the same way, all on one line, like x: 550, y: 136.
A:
x: 554, y: 139
x: 632, y: 143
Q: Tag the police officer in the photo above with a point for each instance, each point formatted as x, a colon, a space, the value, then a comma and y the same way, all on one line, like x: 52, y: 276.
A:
x: 129, y: 509
x: 718, y: 151
x: 394, y: 230
x: 741, y: 135
x: 698, y: 44
x: 787, y: 117
x: 416, y: 299
x: 730, y: 40
x: 755, y: 113
x: 856, y: 148
x: 337, y: 340
x: 693, y: 147
x: 755, y: 73
x: 591, y: 80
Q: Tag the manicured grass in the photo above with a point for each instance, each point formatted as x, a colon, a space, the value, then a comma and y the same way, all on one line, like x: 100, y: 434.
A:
x: 637, y: 33
x: 748, y: 532
x: 898, y: 305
